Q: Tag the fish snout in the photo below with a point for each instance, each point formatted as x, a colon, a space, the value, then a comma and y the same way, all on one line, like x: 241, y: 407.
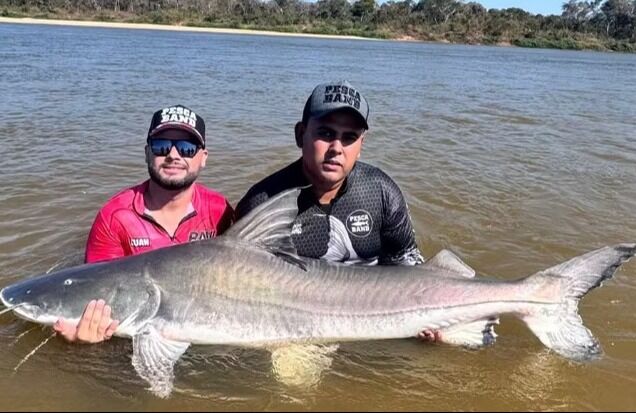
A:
x: 7, y: 302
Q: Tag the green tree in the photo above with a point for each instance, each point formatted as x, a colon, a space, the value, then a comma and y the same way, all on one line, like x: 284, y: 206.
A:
x: 333, y: 9
x: 619, y: 18
x: 363, y: 9
x: 438, y: 11
x: 473, y: 18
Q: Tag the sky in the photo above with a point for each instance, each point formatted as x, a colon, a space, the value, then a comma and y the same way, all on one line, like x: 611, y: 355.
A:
x: 533, y: 6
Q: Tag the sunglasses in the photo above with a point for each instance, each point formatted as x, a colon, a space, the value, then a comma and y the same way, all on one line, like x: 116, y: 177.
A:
x: 162, y: 147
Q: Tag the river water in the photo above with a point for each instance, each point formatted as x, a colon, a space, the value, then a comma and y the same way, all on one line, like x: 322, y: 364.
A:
x: 515, y: 159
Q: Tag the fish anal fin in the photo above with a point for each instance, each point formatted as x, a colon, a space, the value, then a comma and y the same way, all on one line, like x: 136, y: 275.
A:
x: 154, y: 358
x: 474, y: 334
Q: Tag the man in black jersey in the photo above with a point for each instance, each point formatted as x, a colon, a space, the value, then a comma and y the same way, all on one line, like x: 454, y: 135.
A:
x: 352, y: 212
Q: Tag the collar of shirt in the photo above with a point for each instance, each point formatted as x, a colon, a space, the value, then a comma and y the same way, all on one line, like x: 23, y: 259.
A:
x: 139, y: 203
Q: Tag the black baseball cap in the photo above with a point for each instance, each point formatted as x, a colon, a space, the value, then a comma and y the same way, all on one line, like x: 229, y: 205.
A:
x: 331, y: 97
x: 178, y: 117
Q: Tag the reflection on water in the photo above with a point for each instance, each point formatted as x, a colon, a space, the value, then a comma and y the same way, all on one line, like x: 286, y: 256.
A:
x: 515, y: 159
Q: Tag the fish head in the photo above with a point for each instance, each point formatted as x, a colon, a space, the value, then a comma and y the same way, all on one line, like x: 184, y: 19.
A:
x: 66, y: 293
x: 37, y: 298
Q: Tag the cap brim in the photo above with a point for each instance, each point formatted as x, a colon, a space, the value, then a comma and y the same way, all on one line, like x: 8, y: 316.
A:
x: 181, y: 126
x: 349, y: 109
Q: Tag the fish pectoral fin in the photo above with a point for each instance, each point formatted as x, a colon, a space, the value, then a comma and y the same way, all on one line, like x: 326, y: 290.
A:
x: 154, y: 358
x: 290, y: 257
x: 301, y: 365
x: 451, y: 264
x: 475, y: 334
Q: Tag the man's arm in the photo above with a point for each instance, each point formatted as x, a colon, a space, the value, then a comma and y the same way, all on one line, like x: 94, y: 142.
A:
x: 398, y: 241
x: 397, y: 234
x: 103, y: 244
x: 251, y: 200
x: 226, y: 220
x: 96, y: 324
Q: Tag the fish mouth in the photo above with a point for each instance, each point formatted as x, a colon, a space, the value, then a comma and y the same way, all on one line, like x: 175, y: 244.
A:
x: 4, y: 301
x: 33, y: 313
x: 25, y: 311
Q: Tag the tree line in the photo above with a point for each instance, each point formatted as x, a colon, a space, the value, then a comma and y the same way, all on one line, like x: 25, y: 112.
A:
x: 597, y: 24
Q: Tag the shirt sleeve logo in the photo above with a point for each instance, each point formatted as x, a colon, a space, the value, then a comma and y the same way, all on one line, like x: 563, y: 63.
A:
x: 201, y: 235
x: 359, y: 223
x: 139, y: 242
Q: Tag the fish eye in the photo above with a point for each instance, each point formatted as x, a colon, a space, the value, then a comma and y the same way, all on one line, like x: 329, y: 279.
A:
x: 28, y: 291
x: 68, y: 282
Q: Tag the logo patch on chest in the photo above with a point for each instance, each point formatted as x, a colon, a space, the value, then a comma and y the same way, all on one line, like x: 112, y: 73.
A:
x: 359, y: 223
x: 297, y: 229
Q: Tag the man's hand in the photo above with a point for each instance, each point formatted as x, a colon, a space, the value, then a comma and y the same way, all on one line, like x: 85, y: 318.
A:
x: 95, y: 325
x: 431, y: 336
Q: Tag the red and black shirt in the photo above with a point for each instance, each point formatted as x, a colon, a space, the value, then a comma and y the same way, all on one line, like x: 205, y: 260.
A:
x: 124, y: 227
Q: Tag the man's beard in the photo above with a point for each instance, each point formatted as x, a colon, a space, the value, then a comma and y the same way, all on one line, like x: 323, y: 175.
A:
x: 172, y: 185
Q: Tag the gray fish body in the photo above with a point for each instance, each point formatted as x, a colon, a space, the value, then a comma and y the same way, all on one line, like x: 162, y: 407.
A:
x: 249, y: 288
x: 227, y: 299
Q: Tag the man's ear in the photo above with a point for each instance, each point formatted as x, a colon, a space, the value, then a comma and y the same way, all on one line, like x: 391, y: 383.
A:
x: 147, y: 152
x: 364, y: 135
x: 204, y: 158
x: 299, y: 131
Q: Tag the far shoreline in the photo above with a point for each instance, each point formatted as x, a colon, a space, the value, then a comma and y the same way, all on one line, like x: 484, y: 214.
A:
x: 179, y: 28
x: 224, y: 30
x: 401, y: 38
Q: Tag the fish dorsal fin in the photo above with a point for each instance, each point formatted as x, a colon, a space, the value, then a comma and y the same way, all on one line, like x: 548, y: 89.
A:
x: 269, y: 225
x: 448, y: 261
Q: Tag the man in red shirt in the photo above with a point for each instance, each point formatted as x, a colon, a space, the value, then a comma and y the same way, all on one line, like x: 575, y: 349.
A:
x: 168, y: 209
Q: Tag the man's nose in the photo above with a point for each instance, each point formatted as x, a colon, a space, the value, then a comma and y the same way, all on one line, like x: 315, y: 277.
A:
x: 174, y: 153
x: 336, y: 145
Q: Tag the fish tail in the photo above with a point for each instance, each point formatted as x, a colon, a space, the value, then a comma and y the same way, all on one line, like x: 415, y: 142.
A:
x: 559, y: 325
